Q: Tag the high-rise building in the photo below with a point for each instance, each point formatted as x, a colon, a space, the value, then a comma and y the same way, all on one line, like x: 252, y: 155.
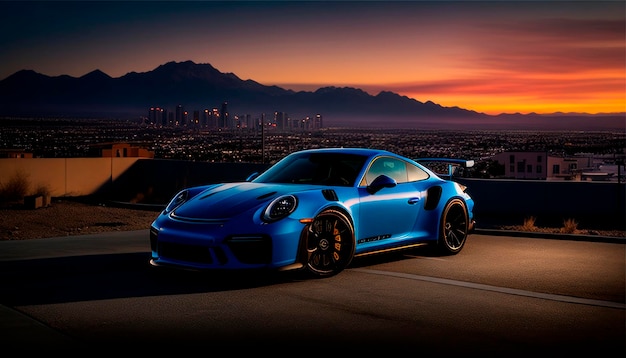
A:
x: 157, y: 116
x: 281, y: 120
x: 180, y: 112
x: 214, y: 118
x: 164, y: 115
x: 196, y: 118
x: 318, y: 122
x: 224, y: 120
x: 205, y: 118
x: 152, y: 115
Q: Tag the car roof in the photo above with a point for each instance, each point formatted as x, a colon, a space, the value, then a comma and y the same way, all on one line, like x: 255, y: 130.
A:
x: 370, y: 152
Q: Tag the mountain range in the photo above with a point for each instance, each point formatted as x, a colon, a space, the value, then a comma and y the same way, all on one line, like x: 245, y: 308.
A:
x: 201, y: 86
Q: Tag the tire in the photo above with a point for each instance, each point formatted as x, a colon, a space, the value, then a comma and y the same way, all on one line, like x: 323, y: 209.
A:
x: 454, y: 228
x: 329, y: 244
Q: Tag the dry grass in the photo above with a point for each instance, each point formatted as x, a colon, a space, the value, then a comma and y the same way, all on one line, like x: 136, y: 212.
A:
x: 42, y: 189
x: 529, y: 224
x: 570, y: 226
x: 15, y: 188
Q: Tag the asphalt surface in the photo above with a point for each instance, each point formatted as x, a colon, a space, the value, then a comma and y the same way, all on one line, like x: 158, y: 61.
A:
x: 18, y: 328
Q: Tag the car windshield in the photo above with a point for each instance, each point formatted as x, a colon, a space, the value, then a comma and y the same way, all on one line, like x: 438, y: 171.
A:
x: 315, y: 168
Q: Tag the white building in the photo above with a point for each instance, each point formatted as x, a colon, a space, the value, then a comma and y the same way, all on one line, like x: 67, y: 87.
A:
x: 541, y: 166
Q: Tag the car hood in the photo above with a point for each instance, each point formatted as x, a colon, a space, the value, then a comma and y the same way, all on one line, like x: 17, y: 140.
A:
x: 227, y: 200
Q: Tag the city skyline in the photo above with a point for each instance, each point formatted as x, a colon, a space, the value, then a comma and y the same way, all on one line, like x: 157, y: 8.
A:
x: 491, y: 57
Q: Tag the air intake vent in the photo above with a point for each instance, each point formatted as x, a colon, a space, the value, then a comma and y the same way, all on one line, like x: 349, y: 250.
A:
x: 330, y: 195
x: 432, y: 197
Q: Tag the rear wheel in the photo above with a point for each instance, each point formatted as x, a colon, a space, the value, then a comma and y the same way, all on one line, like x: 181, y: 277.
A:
x: 454, y: 227
x: 329, y: 243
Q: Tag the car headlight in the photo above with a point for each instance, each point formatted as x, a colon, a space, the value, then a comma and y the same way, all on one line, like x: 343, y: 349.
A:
x: 279, y: 208
x: 177, y: 200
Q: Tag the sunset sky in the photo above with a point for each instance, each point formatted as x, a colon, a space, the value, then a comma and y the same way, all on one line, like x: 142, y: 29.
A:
x: 488, y: 56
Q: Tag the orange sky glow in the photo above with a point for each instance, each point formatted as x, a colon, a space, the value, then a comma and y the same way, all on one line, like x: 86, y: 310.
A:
x: 492, y: 57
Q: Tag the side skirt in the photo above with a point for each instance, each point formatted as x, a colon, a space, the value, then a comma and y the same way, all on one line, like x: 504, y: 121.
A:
x: 391, y: 249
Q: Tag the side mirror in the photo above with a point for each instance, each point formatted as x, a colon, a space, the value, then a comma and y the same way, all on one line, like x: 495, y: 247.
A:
x: 381, y: 181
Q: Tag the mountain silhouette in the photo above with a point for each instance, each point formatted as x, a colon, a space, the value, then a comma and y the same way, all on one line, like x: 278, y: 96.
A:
x: 201, y: 86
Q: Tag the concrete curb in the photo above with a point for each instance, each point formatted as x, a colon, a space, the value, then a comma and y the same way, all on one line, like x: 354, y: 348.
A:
x: 553, y: 236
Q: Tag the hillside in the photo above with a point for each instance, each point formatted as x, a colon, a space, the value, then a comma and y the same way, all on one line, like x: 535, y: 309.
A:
x: 199, y: 87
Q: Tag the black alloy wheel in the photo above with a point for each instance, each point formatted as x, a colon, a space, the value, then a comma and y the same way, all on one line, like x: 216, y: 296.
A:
x: 329, y: 243
x: 454, y: 227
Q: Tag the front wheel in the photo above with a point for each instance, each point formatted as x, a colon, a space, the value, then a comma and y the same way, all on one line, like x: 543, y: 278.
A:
x: 454, y: 228
x: 329, y: 243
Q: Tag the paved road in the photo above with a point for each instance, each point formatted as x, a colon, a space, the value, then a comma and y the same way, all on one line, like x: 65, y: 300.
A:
x: 502, y: 295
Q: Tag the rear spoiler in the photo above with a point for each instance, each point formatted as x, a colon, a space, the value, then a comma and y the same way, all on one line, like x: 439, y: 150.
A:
x: 463, y: 163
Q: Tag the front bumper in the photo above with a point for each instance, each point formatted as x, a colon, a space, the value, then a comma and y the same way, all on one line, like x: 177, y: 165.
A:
x: 233, y: 245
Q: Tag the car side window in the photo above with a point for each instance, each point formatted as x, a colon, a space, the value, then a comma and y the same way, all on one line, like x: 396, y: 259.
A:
x: 391, y: 167
x: 415, y: 173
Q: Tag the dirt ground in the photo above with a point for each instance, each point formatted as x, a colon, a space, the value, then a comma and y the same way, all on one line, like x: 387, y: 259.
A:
x: 67, y: 217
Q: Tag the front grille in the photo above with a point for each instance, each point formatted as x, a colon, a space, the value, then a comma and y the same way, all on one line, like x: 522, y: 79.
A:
x: 251, y: 249
x: 247, y: 250
x: 190, y: 253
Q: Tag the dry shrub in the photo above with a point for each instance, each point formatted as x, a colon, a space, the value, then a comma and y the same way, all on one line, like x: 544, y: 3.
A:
x: 529, y: 224
x: 570, y: 226
x: 42, y: 189
x: 15, y: 188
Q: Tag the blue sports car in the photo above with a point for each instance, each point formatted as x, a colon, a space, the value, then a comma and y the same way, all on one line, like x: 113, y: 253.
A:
x: 315, y: 210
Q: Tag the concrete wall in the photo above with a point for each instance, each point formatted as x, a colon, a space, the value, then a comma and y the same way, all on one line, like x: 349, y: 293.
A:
x: 154, y: 181
x: 130, y: 179
x: 65, y: 176
x: 591, y: 204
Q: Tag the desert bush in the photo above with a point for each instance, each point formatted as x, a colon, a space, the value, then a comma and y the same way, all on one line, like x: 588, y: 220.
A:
x: 42, y: 189
x: 529, y: 224
x: 15, y: 188
x: 570, y: 226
